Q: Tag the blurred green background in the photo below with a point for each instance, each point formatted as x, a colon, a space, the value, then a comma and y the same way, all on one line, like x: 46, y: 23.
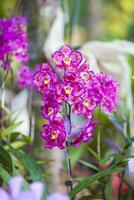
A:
x: 99, y: 19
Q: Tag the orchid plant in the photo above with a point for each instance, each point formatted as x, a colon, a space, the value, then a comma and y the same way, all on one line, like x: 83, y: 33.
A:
x: 71, y: 84
x: 68, y: 88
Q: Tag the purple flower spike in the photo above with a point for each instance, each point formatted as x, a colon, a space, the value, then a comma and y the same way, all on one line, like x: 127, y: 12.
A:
x: 13, y: 41
x: 78, y: 88
x: 106, y: 87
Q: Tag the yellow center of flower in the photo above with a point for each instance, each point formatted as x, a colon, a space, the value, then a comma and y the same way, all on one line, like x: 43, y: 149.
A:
x: 54, y: 135
x: 50, y: 111
x: 85, y: 103
x: 68, y: 90
x: 67, y: 61
x: 83, y: 75
x: 46, y: 80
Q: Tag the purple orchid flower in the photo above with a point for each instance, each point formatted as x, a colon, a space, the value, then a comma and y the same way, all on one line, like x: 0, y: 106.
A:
x: 17, y: 193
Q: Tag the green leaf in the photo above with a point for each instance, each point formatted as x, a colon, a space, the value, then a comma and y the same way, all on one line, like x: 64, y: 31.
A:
x: 27, y: 139
x: 88, y: 181
x: 22, y: 137
x: 6, y: 177
x: 9, y: 115
x: 4, y: 174
x: 25, y: 183
x: 108, y: 188
x: 14, y: 136
x: 87, y: 164
x: 76, y: 153
x: 5, y: 159
x: 10, y: 129
x: 16, y: 144
x: 93, y: 153
x: 91, y: 197
x: 105, y: 160
x: 120, y: 159
x: 80, y: 178
x: 31, y: 165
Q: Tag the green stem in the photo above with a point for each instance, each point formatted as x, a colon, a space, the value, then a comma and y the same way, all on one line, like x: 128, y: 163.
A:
x: 74, y: 19
x: 71, y: 19
x: 3, y: 90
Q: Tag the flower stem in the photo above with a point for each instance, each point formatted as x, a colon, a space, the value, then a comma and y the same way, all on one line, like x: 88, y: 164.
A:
x: 8, y: 59
x: 69, y: 182
x: 99, y: 136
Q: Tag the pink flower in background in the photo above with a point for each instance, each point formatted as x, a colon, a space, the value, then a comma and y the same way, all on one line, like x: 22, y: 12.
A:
x: 15, y: 192
x: 34, y: 192
x: 116, y: 183
x: 77, y: 87
x: 108, y: 89
x: 13, y: 41
x: 25, y: 77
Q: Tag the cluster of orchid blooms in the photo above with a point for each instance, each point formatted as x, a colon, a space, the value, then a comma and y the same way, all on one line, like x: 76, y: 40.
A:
x: 13, y: 41
x: 71, y: 85
x: 67, y: 86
